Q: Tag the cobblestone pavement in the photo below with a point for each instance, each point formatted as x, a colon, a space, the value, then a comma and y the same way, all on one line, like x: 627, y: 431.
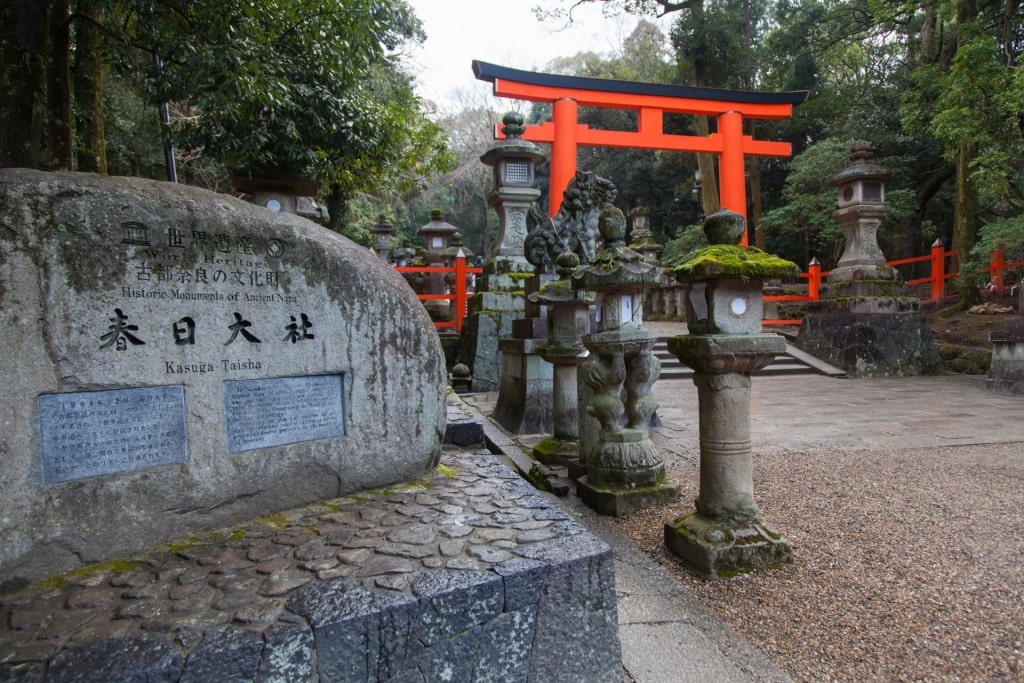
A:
x: 473, y: 513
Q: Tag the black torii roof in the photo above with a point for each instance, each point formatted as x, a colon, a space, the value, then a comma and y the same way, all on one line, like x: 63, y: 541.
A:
x: 485, y: 71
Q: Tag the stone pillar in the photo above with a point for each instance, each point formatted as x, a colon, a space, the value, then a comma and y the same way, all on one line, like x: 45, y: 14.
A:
x: 568, y: 316
x: 624, y: 471
x: 724, y: 305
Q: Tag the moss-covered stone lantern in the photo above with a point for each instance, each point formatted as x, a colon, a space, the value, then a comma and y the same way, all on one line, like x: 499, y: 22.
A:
x: 624, y: 469
x: 724, y: 304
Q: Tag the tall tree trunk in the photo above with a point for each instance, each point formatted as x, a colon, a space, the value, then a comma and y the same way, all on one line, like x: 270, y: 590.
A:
x: 337, y: 201
x: 22, y: 82
x: 59, y: 139
x: 756, y: 207
x: 964, y: 222
x: 710, y: 197
x: 964, y: 214
x: 92, y: 144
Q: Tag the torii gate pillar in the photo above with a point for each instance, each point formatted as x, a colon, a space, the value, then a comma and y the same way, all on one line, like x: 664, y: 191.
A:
x: 651, y: 101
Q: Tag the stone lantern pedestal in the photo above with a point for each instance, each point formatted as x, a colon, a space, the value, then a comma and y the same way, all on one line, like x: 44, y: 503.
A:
x: 624, y: 470
x: 724, y: 307
x: 568, y: 321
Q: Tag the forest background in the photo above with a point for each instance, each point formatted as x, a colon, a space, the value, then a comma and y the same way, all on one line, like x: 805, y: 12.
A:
x: 324, y: 87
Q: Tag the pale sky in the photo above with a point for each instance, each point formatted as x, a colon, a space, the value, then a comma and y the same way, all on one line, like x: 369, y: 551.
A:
x: 503, y: 32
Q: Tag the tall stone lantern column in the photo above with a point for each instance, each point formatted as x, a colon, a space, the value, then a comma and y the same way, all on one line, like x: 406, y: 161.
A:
x: 625, y: 470
x: 724, y: 308
x: 499, y: 295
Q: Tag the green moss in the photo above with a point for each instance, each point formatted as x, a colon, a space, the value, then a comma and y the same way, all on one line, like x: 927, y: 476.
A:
x: 449, y: 472
x: 727, y: 260
x: 114, y: 567
x: 559, y: 287
x: 550, y: 446
x: 279, y: 520
x: 519, y: 276
x: 236, y: 536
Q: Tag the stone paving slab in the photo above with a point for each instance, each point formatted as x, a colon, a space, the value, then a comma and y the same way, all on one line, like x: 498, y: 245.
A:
x: 467, y: 574
x: 814, y: 412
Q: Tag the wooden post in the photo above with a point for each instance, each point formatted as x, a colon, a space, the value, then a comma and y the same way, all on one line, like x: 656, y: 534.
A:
x: 938, y: 271
x: 995, y: 271
x: 814, y: 279
x: 731, y: 181
x: 563, y: 150
x: 460, y: 289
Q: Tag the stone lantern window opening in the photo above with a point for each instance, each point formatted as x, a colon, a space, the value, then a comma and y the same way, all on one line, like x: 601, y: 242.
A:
x: 273, y: 205
x: 517, y: 171
x: 873, y: 191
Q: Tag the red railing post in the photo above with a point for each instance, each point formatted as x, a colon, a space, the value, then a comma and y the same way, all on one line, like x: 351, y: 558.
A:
x: 995, y: 271
x: 460, y: 289
x: 938, y: 271
x: 814, y: 279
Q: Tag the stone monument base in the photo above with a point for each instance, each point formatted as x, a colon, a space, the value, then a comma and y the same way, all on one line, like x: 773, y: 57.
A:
x: 621, y: 502
x: 1006, y: 373
x: 871, y: 337
x: 718, y: 550
x: 423, y: 583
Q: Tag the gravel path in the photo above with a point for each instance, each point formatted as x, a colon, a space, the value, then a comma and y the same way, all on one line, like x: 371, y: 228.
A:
x: 909, y: 563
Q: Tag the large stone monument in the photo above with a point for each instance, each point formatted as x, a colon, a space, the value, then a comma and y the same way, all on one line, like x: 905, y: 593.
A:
x: 865, y: 322
x: 176, y: 361
x: 724, y: 307
x: 624, y: 469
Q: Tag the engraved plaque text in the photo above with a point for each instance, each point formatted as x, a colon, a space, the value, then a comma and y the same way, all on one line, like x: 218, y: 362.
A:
x: 92, y: 433
x: 260, y: 413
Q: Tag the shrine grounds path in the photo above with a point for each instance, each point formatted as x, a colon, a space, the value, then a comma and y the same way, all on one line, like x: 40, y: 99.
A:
x: 904, y: 501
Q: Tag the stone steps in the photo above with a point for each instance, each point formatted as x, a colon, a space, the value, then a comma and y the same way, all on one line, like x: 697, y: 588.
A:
x: 793, y: 362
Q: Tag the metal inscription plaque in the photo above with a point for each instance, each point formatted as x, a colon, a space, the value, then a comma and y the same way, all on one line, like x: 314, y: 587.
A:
x: 260, y: 413
x: 92, y: 433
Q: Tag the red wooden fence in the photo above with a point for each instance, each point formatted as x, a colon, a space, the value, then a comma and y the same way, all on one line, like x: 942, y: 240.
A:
x: 936, y: 279
x: 460, y: 287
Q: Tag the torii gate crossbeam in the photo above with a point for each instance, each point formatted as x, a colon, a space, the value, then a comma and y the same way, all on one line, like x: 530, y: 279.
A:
x: 651, y: 102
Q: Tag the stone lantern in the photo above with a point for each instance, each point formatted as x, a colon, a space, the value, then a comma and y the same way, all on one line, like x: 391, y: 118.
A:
x: 276, y: 192
x: 861, y: 209
x: 724, y: 305
x: 500, y: 289
x: 382, y: 243
x: 404, y: 254
x: 437, y: 233
x: 642, y: 238
x: 624, y: 469
x: 866, y: 322
x: 513, y: 160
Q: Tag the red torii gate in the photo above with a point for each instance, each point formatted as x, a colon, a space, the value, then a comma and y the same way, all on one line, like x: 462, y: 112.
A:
x: 567, y: 93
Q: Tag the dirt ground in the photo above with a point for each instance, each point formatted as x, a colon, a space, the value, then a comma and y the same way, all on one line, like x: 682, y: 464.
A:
x: 952, y: 325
